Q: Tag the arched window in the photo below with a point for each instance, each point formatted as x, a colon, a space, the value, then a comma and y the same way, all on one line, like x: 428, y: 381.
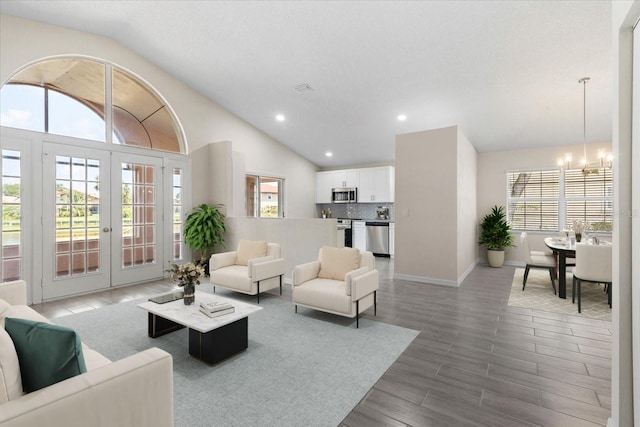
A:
x: 68, y: 96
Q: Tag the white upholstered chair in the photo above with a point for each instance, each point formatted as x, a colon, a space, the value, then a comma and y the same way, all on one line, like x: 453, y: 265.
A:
x: 342, y: 281
x: 593, y: 264
x: 537, y: 259
x: 256, y: 266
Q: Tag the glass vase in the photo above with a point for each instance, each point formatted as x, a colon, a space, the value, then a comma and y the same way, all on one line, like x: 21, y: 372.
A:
x: 189, y: 294
x: 578, y: 237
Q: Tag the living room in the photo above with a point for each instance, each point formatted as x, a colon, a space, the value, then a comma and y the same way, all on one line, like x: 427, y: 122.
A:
x: 210, y: 128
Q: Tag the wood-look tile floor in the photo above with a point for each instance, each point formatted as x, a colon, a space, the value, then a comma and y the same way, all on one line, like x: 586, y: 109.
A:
x: 476, y: 361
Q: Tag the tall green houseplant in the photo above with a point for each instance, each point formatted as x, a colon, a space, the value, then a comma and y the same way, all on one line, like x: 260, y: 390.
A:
x: 204, y: 228
x: 495, y: 235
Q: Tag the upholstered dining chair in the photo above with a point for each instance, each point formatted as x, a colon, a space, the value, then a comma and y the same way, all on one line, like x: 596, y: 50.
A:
x: 537, y: 259
x: 593, y: 264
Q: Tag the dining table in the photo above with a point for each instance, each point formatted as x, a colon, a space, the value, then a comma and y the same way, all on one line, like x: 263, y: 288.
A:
x: 564, y: 248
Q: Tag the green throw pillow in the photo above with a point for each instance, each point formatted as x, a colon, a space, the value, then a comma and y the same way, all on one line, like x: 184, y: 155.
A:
x: 47, y: 353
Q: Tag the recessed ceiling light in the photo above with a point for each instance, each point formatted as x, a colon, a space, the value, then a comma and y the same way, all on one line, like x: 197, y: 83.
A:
x: 402, y: 117
x: 328, y: 154
x: 280, y: 118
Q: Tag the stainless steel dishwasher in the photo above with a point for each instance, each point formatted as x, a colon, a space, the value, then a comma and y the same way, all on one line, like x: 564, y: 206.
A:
x: 378, y: 237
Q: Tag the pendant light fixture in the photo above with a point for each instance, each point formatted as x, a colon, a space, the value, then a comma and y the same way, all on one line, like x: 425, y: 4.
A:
x: 605, y: 160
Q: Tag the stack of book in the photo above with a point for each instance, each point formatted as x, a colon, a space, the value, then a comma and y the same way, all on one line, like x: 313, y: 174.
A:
x: 215, y: 309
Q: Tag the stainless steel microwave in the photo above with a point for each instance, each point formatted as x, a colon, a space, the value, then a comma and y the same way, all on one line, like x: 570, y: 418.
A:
x: 344, y: 195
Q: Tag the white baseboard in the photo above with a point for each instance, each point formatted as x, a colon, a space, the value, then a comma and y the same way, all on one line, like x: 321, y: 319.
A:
x: 423, y: 279
x: 433, y: 281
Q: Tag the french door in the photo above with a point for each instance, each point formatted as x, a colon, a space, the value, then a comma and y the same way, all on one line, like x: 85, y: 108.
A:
x: 102, y: 219
x: 136, y: 235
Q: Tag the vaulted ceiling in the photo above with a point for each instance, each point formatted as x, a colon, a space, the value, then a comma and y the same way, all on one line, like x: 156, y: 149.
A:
x: 506, y: 72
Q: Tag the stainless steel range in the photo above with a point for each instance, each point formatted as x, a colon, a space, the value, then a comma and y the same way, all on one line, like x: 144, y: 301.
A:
x: 345, y: 224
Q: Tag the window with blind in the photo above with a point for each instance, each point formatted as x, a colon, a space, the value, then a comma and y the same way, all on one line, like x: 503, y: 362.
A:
x: 547, y: 200
x: 533, y: 199
x: 589, y: 197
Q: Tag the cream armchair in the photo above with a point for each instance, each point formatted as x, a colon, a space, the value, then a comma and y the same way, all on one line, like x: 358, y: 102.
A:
x: 343, y: 281
x: 256, y: 266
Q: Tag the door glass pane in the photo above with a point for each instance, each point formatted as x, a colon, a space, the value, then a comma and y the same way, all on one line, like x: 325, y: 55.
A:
x: 177, y: 213
x: 11, y: 216
x: 77, y: 216
x: 138, y: 219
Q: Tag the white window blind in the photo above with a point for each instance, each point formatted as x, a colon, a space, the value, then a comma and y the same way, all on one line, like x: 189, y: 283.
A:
x: 533, y: 199
x: 547, y: 200
x: 589, y: 197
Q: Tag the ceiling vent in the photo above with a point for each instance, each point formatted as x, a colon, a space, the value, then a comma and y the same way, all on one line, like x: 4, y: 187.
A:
x: 304, y: 87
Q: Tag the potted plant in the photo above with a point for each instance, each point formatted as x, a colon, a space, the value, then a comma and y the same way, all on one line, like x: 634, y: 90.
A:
x: 187, y: 276
x: 203, y: 229
x: 495, y: 235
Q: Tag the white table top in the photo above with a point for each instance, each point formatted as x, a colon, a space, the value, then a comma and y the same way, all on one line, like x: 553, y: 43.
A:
x: 190, y: 315
x: 564, y: 244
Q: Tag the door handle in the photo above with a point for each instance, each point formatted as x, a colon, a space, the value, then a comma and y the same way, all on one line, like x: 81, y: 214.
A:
x: 106, y: 229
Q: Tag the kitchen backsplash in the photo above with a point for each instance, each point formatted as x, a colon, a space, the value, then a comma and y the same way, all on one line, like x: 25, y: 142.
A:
x: 354, y: 210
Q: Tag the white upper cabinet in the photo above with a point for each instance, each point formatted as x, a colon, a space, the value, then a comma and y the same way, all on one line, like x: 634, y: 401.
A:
x: 324, y: 184
x: 376, y: 185
x: 345, y: 178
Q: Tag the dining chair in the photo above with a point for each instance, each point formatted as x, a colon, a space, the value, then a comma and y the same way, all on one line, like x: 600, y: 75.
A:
x: 537, y: 259
x: 593, y: 264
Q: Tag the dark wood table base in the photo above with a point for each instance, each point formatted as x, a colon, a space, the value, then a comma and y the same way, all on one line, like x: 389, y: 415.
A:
x: 210, y: 347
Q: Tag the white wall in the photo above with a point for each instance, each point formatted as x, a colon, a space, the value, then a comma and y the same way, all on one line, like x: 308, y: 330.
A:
x: 23, y: 41
x: 299, y: 238
x: 625, y: 367
x: 492, y: 182
x: 466, y: 206
x: 435, y: 208
x: 425, y: 205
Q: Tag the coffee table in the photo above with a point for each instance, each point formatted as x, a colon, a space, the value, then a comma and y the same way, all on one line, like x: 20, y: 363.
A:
x: 211, y: 339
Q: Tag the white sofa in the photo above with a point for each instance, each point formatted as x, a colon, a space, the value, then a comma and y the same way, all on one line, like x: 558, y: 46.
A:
x: 343, y: 281
x: 134, y: 391
x: 256, y: 266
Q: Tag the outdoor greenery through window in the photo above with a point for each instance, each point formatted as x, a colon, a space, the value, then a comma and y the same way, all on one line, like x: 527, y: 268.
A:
x: 264, y: 196
x: 550, y: 200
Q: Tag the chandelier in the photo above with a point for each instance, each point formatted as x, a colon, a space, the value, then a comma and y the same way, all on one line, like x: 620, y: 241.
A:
x: 605, y: 160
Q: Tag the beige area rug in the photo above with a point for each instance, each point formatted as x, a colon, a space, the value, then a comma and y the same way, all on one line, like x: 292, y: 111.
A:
x: 538, y: 295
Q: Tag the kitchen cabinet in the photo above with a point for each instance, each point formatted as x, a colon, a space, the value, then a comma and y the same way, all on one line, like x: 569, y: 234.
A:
x: 376, y: 185
x: 327, y: 180
x: 392, y: 239
x: 324, y: 184
x: 359, y: 232
x: 346, y: 178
